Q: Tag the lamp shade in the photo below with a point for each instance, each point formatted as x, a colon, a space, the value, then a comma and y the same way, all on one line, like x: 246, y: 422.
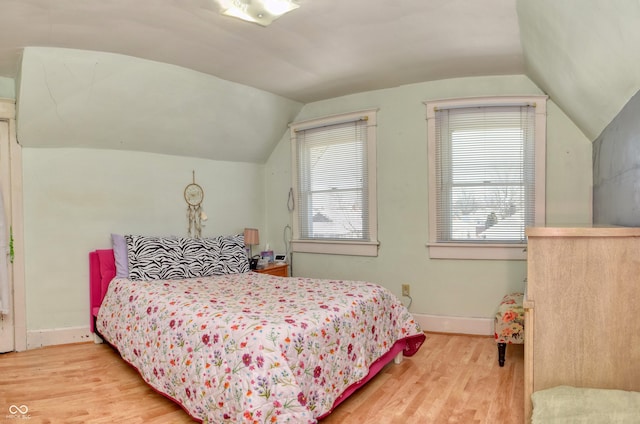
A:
x: 251, y: 236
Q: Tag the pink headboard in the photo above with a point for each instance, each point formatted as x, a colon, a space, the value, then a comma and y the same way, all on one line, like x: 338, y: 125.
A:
x: 102, y: 269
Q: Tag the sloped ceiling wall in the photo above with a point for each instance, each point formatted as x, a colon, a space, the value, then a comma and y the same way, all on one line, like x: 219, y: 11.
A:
x: 584, y: 54
x: 77, y: 98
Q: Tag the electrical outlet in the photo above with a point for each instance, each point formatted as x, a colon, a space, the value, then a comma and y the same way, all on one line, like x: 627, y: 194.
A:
x: 406, y: 290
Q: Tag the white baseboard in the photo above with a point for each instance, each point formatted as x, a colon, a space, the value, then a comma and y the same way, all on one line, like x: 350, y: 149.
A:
x: 457, y: 325
x: 56, y: 336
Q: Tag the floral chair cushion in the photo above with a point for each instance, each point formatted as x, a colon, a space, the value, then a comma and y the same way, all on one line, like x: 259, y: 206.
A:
x: 509, y: 320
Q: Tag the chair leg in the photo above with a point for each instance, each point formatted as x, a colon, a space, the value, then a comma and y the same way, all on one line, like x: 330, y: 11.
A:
x: 502, y: 348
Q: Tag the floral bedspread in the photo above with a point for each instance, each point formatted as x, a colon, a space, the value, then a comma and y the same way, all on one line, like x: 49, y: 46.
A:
x: 253, y: 347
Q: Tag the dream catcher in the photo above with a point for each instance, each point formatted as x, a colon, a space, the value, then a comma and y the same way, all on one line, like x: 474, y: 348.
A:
x: 193, y: 194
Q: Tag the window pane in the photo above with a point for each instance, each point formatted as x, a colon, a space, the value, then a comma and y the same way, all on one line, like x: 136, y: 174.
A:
x: 495, y: 155
x: 335, y: 214
x: 332, y: 182
x: 337, y: 166
x: 487, y: 213
x: 484, y: 174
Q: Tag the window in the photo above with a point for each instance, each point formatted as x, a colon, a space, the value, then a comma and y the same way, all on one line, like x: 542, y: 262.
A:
x: 334, y: 184
x: 486, y: 176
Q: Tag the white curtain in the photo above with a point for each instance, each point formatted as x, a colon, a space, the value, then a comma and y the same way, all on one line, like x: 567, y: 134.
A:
x: 4, y: 262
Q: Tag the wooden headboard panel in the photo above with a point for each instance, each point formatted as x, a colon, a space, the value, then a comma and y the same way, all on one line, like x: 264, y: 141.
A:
x: 102, y: 269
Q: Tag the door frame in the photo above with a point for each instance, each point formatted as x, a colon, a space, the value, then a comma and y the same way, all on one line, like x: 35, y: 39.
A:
x: 12, y: 160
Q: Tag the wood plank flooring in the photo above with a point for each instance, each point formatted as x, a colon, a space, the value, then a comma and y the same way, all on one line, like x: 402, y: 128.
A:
x: 452, y: 379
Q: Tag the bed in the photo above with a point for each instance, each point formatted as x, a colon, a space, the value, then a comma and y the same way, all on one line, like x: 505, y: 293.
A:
x: 249, y: 347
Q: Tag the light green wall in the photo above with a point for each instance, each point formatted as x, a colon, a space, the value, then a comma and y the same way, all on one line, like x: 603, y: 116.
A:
x: 7, y: 88
x: 75, y: 198
x: 569, y: 170
x: 438, y: 287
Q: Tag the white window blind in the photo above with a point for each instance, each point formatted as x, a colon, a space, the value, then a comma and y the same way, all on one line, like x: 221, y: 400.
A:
x: 485, y: 174
x: 332, y: 182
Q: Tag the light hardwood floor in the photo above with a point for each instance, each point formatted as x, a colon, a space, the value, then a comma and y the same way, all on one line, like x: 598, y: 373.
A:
x: 452, y: 379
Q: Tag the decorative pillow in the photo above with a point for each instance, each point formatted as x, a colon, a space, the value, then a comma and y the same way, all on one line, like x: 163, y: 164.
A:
x: 200, y: 256
x: 233, y: 256
x: 153, y: 258
x: 120, y: 254
x: 171, y: 258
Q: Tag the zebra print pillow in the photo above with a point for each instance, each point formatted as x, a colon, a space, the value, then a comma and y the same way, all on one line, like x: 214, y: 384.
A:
x: 233, y: 257
x: 201, y: 256
x: 171, y: 258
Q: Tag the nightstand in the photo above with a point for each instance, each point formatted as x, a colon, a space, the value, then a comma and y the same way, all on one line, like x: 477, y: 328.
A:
x: 280, y: 270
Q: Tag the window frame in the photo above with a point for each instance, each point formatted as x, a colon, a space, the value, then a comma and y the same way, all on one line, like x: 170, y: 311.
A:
x: 495, y: 251
x: 339, y: 247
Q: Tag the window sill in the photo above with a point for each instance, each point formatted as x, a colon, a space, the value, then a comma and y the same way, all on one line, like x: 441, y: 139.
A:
x: 507, y: 252
x: 332, y: 247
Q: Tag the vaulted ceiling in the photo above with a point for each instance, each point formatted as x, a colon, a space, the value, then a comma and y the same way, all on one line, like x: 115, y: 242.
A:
x: 583, y: 53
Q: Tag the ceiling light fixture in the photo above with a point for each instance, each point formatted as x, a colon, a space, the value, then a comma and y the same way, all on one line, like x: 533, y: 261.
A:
x: 261, y: 12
